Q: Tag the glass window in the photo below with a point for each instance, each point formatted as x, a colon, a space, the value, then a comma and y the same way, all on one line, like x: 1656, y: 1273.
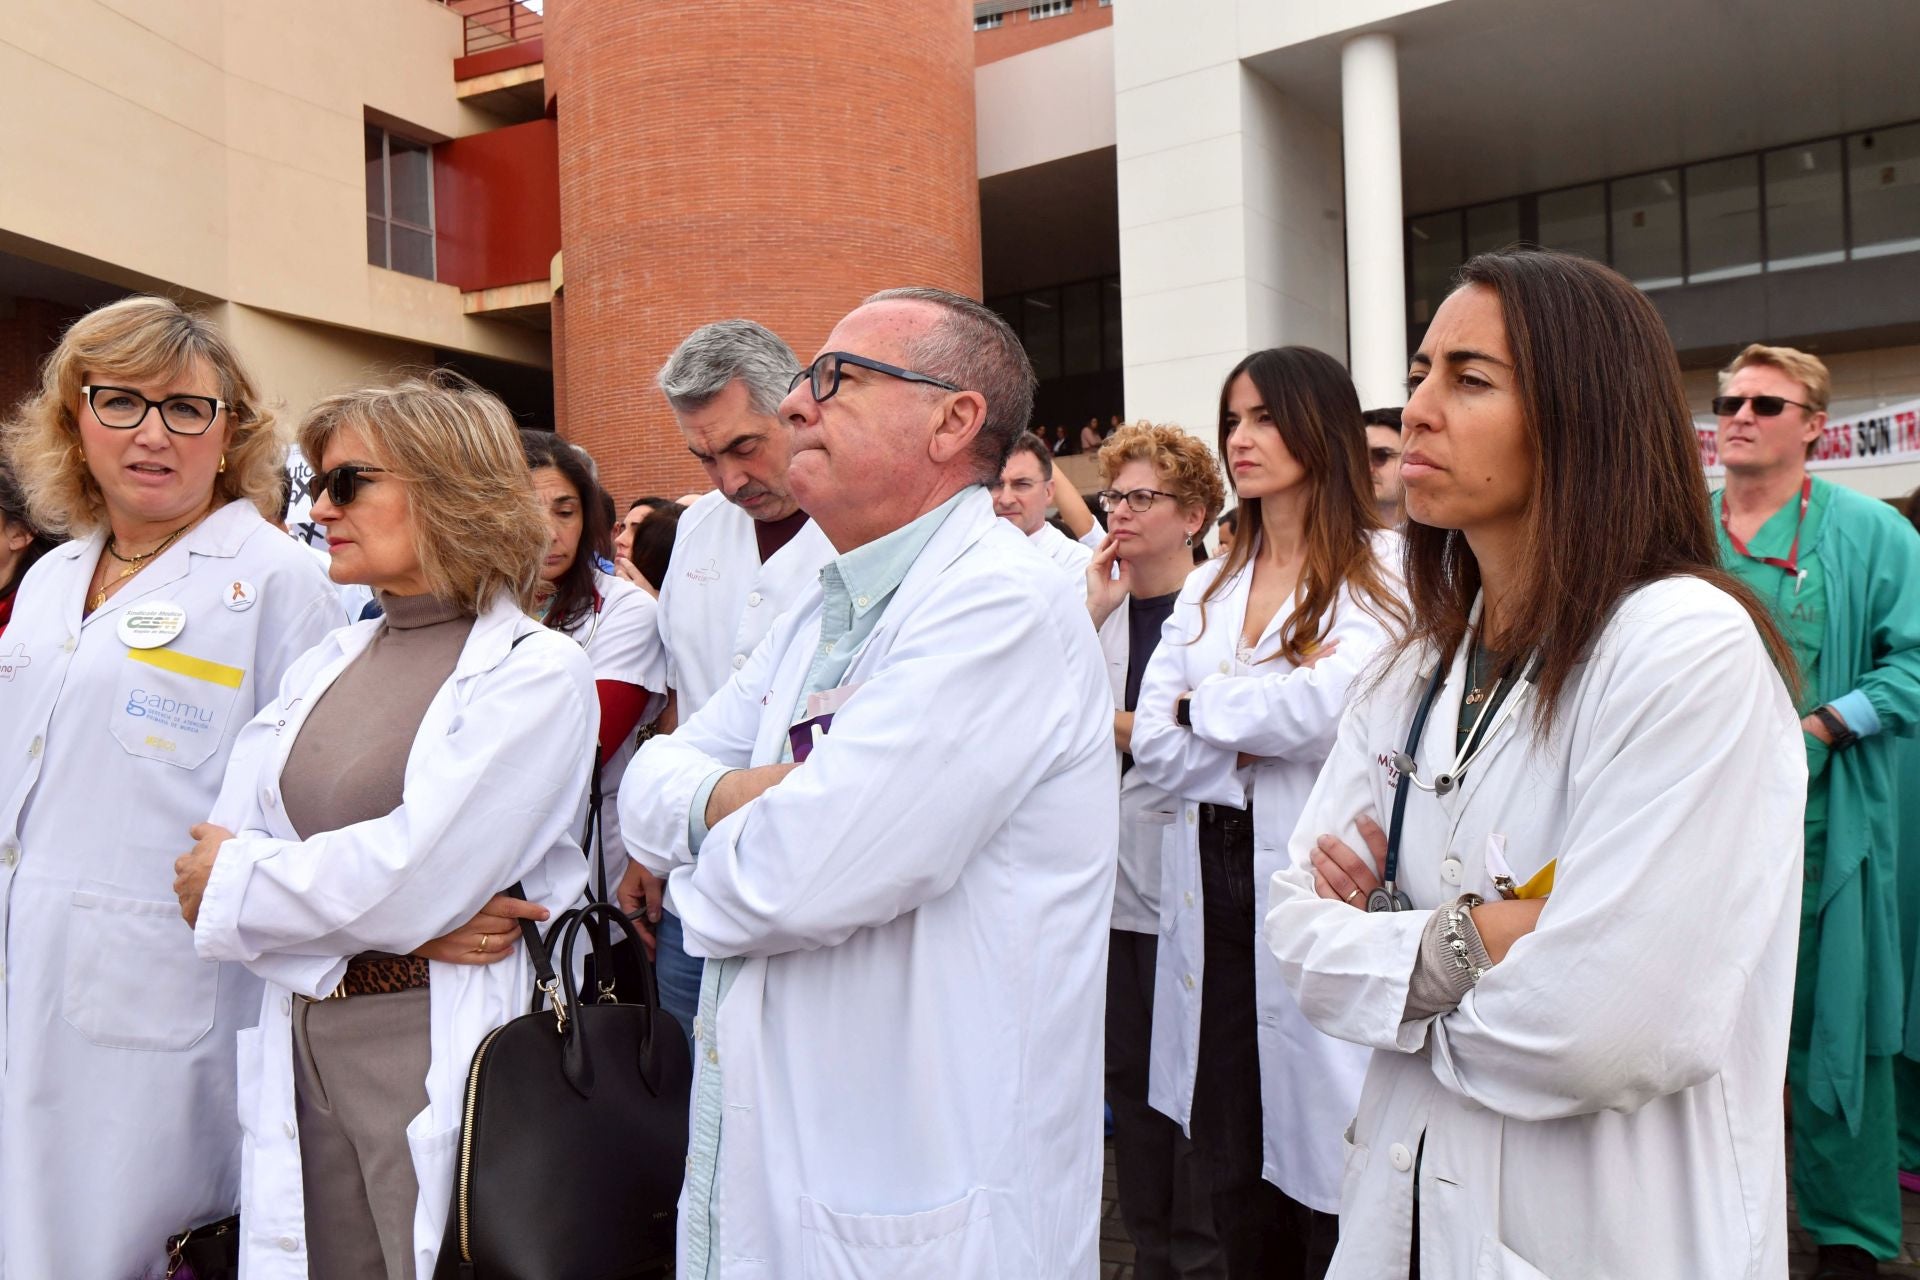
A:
x: 1492, y: 226
x: 1575, y: 221
x: 1803, y: 206
x: 1040, y: 331
x: 1435, y: 252
x: 988, y: 21
x: 1049, y: 9
x: 1080, y: 326
x: 1646, y: 229
x: 1112, y: 352
x: 1723, y: 219
x: 399, y: 203
x: 1885, y: 186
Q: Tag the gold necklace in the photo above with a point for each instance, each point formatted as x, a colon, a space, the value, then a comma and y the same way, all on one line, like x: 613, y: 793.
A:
x: 135, y: 565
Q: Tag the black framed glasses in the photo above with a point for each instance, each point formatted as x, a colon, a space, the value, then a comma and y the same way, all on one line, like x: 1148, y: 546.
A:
x: 342, y: 484
x: 1137, y: 500
x: 1763, y: 406
x: 823, y: 375
x: 1380, y: 455
x: 123, y: 409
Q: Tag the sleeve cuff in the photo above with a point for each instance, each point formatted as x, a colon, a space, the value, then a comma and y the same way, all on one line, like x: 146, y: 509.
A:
x: 1858, y: 712
x: 697, y: 811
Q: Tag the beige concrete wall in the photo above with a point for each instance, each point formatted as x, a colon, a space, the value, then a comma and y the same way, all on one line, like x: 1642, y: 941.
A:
x: 1044, y: 104
x: 296, y: 362
x: 217, y: 145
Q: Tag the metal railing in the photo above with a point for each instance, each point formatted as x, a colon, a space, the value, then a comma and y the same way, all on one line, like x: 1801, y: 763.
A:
x: 496, y: 26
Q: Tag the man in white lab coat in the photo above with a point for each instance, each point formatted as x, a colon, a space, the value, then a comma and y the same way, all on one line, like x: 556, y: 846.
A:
x: 904, y: 905
x: 1023, y: 494
x: 741, y: 555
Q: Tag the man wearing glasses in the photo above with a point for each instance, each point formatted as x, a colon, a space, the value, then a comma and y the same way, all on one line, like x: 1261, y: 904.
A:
x: 903, y: 904
x: 1023, y: 494
x: 1841, y: 573
x: 1383, y: 456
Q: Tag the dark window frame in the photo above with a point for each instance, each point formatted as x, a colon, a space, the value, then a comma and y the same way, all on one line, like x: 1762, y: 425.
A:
x: 388, y: 220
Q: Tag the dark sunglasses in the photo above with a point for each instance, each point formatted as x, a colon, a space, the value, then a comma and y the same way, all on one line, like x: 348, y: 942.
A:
x: 342, y: 484
x: 1763, y: 406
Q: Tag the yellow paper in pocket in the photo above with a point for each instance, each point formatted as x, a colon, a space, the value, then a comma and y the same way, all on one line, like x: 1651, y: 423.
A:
x: 1541, y: 885
x: 186, y: 664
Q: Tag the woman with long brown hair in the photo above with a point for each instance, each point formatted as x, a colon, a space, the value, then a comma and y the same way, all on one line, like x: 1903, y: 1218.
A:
x: 1236, y: 711
x: 1550, y: 873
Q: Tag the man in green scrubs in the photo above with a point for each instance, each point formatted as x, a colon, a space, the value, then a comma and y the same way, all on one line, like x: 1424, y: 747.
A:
x: 1841, y: 573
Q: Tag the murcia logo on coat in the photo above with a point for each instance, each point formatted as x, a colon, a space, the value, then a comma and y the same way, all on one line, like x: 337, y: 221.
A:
x: 708, y: 572
x: 1385, y: 759
x: 14, y: 661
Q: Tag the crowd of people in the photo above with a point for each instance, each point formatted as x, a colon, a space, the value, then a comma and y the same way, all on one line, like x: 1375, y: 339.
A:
x: 1441, y: 876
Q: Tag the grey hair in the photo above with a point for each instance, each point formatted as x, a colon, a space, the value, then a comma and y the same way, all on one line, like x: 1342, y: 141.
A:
x: 713, y: 355
x: 973, y: 348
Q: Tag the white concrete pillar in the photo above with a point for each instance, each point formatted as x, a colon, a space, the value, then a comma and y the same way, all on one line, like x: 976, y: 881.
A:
x: 1376, y: 255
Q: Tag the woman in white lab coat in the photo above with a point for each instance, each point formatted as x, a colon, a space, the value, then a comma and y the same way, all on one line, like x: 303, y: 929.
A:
x: 136, y: 653
x: 412, y: 768
x: 611, y: 618
x: 1236, y: 712
x: 1576, y: 979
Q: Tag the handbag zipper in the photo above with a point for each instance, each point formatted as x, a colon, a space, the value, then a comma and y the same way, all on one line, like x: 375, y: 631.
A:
x: 466, y: 1139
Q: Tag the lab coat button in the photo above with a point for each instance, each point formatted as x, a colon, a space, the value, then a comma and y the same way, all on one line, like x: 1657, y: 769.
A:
x: 67, y: 645
x: 1225, y: 666
x: 288, y: 1243
x: 1401, y: 1157
x: 266, y: 798
x: 753, y: 601
x: 1450, y: 871
x: 11, y: 854
x: 739, y: 661
x: 289, y: 1130
x: 1189, y: 899
x: 1193, y: 819
x: 286, y: 1004
x: 1189, y: 981
x: 34, y: 747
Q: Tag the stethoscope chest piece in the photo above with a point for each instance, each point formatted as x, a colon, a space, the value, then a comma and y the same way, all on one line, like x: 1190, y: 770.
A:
x: 1383, y: 899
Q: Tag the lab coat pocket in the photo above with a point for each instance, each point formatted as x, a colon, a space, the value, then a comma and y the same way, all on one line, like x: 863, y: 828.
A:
x: 435, y: 1155
x: 955, y: 1240
x: 132, y: 978
x: 173, y: 707
x: 1497, y: 1262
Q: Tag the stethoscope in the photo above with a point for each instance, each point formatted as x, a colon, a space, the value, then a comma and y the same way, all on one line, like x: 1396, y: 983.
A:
x: 1389, y: 897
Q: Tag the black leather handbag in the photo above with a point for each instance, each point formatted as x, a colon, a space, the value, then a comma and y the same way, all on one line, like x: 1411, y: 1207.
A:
x: 207, y: 1252
x: 573, y: 1144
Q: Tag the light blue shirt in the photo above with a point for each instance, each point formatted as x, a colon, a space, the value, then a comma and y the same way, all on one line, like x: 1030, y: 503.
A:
x: 856, y: 588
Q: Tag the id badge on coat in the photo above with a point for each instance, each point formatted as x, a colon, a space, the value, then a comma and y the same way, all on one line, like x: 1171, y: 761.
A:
x: 820, y: 712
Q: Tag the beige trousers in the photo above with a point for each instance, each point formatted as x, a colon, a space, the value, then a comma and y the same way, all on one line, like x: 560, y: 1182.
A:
x: 359, y: 1073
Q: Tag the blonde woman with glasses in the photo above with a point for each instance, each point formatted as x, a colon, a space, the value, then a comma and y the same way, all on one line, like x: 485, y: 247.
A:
x: 136, y: 653
x: 413, y: 768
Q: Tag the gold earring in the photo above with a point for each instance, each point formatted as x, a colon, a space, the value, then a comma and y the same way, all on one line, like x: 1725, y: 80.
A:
x: 223, y: 464
x: 78, y: 454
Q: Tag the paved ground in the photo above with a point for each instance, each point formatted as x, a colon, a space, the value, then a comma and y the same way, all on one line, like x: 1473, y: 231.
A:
x: 1116, y: 1253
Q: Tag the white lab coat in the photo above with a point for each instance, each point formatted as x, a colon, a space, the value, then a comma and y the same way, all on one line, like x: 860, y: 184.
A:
x: 495, y: 792
x: 1309, y: 1082
x: 1146, y: 811
x: 718, y: 601
x: 912, y: 1049
x: 622, y: 640
x: 1070, y: 555
x: 116, y: 1116
x: 1606, y: 1101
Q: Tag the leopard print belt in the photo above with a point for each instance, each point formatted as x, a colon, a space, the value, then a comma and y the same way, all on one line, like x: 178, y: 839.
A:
x: 375, y: 974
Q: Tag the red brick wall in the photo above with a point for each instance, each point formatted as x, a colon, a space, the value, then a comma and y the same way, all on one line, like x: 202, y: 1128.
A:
x: 1018, y: 33
x: 773, y: 161
x: 29, y: 331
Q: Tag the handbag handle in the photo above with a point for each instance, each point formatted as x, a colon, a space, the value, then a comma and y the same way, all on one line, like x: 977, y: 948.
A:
x: 595, y: 918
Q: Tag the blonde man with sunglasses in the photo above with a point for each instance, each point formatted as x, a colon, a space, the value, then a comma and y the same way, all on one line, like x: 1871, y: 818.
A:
x: 1839, y: 572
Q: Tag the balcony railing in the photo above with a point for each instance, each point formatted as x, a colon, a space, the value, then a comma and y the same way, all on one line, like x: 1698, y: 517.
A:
x: 496, y: 25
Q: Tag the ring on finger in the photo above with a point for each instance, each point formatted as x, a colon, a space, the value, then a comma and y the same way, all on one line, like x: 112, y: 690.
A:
x: 486, y: 941
x: 1354, y: 894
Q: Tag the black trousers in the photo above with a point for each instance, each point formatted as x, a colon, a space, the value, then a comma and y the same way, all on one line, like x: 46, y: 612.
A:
x: 1164, y: 1201
x: 1267, y: 1234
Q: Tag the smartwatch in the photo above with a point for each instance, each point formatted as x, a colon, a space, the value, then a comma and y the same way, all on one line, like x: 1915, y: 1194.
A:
x: 1843, y: 737
x: 1183, y: 710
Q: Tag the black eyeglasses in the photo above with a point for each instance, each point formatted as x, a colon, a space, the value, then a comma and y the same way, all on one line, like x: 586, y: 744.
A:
x: 123, y: 409
x: 1137, y: 500
x: 824, y: 374
x: 342, y: 484
x: 1381, y: 456
x: 1763, y: 406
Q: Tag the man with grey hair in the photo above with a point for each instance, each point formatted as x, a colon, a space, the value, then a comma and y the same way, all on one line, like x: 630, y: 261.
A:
x: 903, y: 904
x: 741, y: 554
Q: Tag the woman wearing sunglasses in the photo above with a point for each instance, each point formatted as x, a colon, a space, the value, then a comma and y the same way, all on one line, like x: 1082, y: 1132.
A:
x: 1551, y: 871
x: 136, y: 653
x: 412, y: 768
x: 1236, y: 712
x: 613, y: 620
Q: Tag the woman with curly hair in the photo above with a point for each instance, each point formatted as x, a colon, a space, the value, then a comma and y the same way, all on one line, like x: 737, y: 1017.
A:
x: 138, y: 650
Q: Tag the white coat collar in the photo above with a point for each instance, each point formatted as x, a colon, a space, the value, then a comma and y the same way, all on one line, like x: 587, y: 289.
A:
x: 220, y: 536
